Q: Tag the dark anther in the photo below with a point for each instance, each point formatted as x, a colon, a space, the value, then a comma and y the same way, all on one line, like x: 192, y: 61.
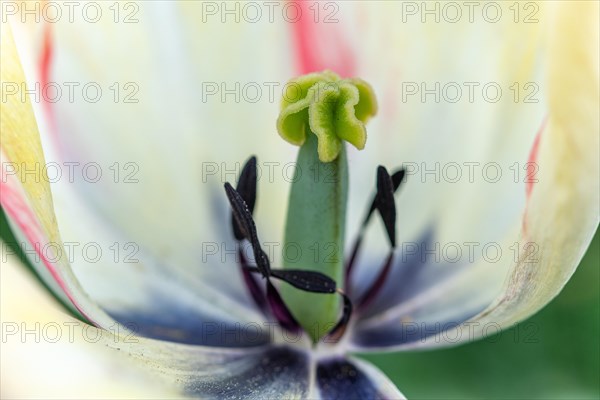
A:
x: 245, y: 223
x: 241, y: 214
x: 340, y: 328
x: 385, y: 203
x: 397, y: 179
x: 247, y: 228
x: 262, y: 261
x: 246, y: 187
x: 309, y: 281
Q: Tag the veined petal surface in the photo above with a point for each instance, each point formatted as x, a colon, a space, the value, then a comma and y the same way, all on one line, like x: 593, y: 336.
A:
x: 462, y: 129
x: 133, y: 284
x: 100, y: 363
x: 559, y: 216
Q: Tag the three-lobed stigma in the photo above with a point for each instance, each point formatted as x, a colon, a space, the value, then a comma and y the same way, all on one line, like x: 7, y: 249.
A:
x: 333, y: 109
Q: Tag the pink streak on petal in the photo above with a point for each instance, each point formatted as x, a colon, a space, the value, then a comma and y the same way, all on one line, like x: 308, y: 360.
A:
x: 533, y: 153
x: 319, y: 44
x: 45, y: 66
x: 532, y: 168
x: 14, y: 204
x: 46, y: 55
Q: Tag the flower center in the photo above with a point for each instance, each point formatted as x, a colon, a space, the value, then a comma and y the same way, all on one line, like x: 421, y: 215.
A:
x: 325, y: 111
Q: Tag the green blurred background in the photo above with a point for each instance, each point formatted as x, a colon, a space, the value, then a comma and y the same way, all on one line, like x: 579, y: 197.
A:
x: 553, y: 355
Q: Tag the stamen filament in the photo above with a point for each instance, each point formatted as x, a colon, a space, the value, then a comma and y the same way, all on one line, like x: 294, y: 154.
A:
x: 373, y: 291
x: 397, y: 179
x: 258, y: 294
x: 280, y: 311
x: 340, y: 328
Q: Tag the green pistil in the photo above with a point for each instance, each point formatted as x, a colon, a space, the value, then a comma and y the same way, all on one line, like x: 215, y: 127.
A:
x: 318, y: 112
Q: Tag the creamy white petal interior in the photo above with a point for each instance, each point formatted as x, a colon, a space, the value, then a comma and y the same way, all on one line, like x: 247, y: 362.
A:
x: 54, y: 344
x: 186, y: 99
x: 179, y: 126
x: 558, y: 219
x: 102, y: 364
x: 118, y: 274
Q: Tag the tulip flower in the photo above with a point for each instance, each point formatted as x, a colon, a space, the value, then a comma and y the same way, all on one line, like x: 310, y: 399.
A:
x: 143, y: 169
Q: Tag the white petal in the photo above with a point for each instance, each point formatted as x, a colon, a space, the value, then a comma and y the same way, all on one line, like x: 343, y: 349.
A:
x: 132, y: 287
x: 439, y: 135
x: 177, y: 141
x: 564, y: 206
x: 452, y: 150
x: 46, y: 353
x: 65, y: 358
x: 562, y: 209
